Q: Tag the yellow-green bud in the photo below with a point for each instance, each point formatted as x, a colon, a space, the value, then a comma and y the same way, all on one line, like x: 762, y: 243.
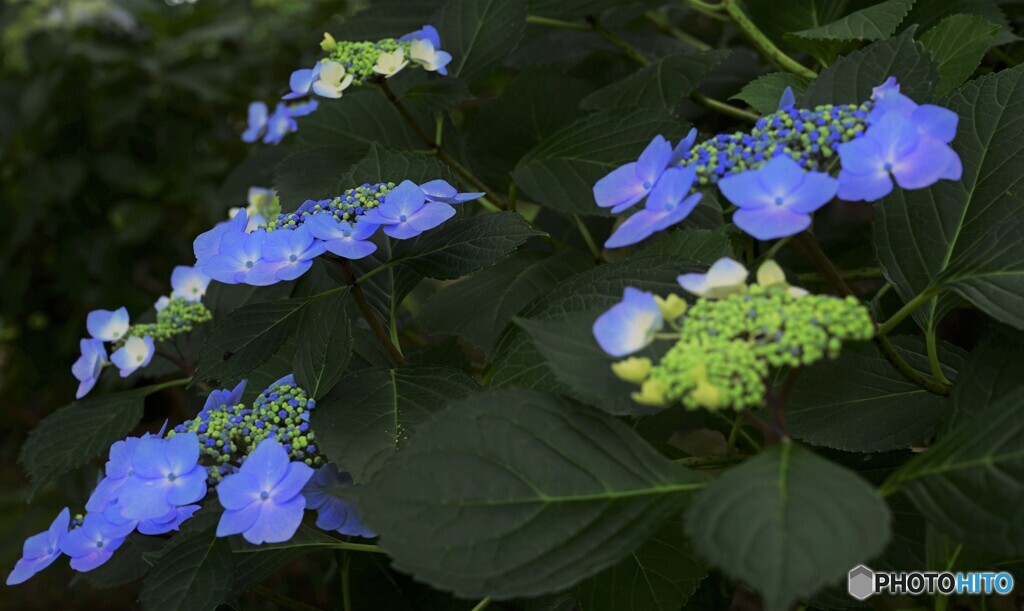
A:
x: 652, y: 392
x: 633, y: 370
x: 707, y: 395
x: 672, y: 307
x: 328, y: 44
x: 770, y: 274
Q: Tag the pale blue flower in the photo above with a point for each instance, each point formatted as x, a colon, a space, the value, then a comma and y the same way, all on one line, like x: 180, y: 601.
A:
x: 39, y: 551
x: 440, y: 191
x: 188, y: 283
x: 108, y: 325
x: 776, y: 199
x: 137, y: 352
x: 725, y: 278
x: 669, y: 203
x: 116, y: 472
x: 165, y: 474
x: 240, y: 260
x: 629, y: 325
x: 207, y: 245
x: 89, y: 365
x: 333, y: 513
x: 406, y: 214
x: 167, y: 523
x: 628, y: 184
x: 263, y: 501
x: 301, y: 81
x: 341, y: 237
x: 303, y: 109
x: 289, y: 253
x: 279, y: 125
x: 257, y: 122
x: 92, y: 543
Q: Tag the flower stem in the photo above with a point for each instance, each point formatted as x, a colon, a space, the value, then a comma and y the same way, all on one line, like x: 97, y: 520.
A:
x: 435, y: 147
x: 908, y: 308
x: 933, y: 358
x: 820, y: 259
x: 483, y: 604
x: 763, y: 43
x: 367, y: 311
x: 665, y: 24
x: 589, y: 239
x: 357, y: 547
x: 723, y: 108
x: 908, y: 371
x: 558, y: 23
x: 346, y: 592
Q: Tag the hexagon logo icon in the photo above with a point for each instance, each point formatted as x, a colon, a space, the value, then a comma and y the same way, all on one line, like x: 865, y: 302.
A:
x: 860, y: 583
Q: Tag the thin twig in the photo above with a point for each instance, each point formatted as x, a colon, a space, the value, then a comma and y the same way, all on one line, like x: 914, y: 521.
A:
x: 371, y: 317
x: 763, y: 43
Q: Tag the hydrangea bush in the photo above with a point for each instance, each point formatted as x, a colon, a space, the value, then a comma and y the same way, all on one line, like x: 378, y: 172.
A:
x: 504, y: 328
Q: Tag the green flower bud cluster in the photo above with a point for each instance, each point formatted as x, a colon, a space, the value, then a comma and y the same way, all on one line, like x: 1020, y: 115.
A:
x: 809, y: 137
x: 228, y: 433
x: 359, y: 58
x: 179, y: 316
x: 348, y: 206
x: 727, y: 346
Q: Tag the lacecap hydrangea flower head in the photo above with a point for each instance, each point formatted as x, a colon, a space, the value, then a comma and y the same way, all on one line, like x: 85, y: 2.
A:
x: 729, y: 340
x: 260, y: 460
x: 780, y: 172
x: 283, y: 248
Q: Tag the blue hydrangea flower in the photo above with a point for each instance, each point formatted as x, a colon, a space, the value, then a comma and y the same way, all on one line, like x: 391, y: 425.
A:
x: 257, y: 122
x: 166, y: 475
x: 218, y: 398
x: 188, y: 283
x: 628, y: 184
x: 901, y: 149
x: 332, y: 80
x: 137, y: 352
x: 167, y: 523
x: 107, y: 325
x: 301, y: 81
x: 288, y: 254
x: 41, y: 550
x: 426, y: 51
x: 776, y: 200
x: 725, y: 277
x: 682, y: 149
x: 341, y: 237
x: 279, y: 125
x: 116, y: 472
x: 92, y: 543
x: 667, y: 205
x: 427, y: 32
x: 240, y: 260
x: 207, y: 244
x: 629, y: 325
x: 89, y: 365
x: 303, y: 109
x: 263, y: 501
x: 406, y: 214
x: 333, y: 513
x: 440, y: 191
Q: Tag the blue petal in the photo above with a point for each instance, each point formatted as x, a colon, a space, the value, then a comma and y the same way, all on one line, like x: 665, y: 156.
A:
x: 405, y: 199
x: 621, y: 188
x: 300, y: 82
x: 771, y: 222
x: 816, y: 190
x: 935, y: 121
x: 189, y: 487
x: 780, y: 176
x: 745, y: 190
x: 350, y: 248
x: 108, y: 325
x: 237, y: 521
x: 401, y: 231
x: 182, y: 452
x: 653, y: 160
x: 924, y: 166
x: 636, y: 228
x: 788, y: 99
x: 276, y: 522
x: 683, y: 148
x: 629, y: 325
x: 238, y: 490
x: 268, y: 463
x: 295, y: 479
x: 431, y: 215
x: 870, y: 186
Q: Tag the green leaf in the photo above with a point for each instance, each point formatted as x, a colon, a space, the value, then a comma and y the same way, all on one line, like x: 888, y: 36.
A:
x: 480, y: 34
x: 561, y: 171
x: 763, y: 93
x: 958, y: 43
x: 546, y: 494
x: 798, y: 15
x: 74, y: 434
x: 573, y: 355
x: 247, y: 338
x: 966, y: 235
x: 382, y: 164
x: 659, y: 576
x: 315, y: 173
x: 478, y: 308
x: 536, y: 104
x: 860, y: 402
x: 255, y: 563
x: 928, y: 13
x: 875, y: 22
x: 990, y: 373
x: 852, y: 77
x: 662, y: 84
x: 386, y: 19
x: 787, y: 523
x: 194, y: 572
x: 324, y: 345
x: 570, y: 8
x: 970, y: 484
x: 464, y: 246
x: 432, y: 95
x: 373, y: 412
x: 127, y: 565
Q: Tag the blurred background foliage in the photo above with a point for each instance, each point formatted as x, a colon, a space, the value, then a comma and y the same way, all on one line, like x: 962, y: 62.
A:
x: 119, y: 126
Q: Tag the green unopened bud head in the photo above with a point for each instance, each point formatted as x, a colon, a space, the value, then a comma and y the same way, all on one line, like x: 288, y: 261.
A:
x: 328, y: 43
x: 633, y: 370
x: 672, y: 307
x: 652, y: 392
